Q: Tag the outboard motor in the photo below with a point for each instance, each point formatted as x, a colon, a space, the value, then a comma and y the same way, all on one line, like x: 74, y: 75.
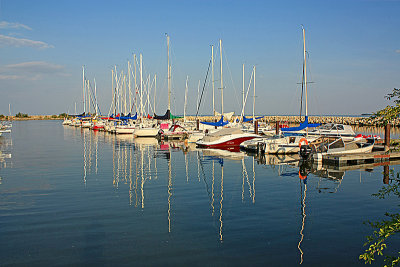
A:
x: 305, y: 152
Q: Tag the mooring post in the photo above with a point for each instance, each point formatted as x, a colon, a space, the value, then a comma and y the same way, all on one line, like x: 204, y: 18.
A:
x: 215, y: 121
x: 198, y: 124
x: 386, y: 174
x: 387, y: 137
x: 256, y: 127
x: 277, y: 127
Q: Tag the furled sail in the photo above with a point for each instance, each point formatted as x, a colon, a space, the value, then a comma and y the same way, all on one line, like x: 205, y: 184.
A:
x: 221, y: 122
x: 302, y: 126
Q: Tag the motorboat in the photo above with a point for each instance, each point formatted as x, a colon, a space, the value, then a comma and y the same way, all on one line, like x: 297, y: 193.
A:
x: 67, y: 121
x: 225, y: 138
x: 334, y: 130
x: 176, y: 132
x: 335, y: 146
x: 277, y: 144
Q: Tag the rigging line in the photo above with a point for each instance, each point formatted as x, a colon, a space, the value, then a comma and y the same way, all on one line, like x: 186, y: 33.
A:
x: 204, y: 85
x: 230, y: 73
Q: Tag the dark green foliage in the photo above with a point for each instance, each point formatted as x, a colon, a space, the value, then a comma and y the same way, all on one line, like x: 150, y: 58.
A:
x: 389, y: 113
x: 21, y: 115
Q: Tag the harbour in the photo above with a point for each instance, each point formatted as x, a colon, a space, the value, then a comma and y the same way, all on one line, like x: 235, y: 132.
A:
x: 116, y: 199
x: 200, y: 133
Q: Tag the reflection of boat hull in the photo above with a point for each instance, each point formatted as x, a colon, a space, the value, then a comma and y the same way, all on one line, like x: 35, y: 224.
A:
x: 98, y: 128
x: 234, y: 154
x: 145, y: 141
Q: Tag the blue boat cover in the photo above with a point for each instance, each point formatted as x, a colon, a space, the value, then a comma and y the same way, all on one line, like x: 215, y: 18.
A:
x: 251, y: 119
x: 302, y: 126
x: 221, y: 122
x: 128, y: 117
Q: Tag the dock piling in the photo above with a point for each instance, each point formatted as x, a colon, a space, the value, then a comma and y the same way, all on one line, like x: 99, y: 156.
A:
x: 386, y: 174
x: 277, y: 127
x: 256, y: 126
x: 387, y: 137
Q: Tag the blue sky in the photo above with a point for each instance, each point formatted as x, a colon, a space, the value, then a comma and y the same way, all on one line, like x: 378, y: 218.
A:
x: 353, y: 48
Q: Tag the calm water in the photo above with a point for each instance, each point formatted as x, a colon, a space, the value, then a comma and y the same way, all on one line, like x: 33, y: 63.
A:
x: 74, y: 197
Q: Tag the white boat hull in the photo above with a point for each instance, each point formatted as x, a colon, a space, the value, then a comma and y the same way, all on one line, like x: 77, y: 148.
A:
x: 145, y: 132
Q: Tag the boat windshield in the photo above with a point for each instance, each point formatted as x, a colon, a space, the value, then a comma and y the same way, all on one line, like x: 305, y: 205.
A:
x: 327, y: 126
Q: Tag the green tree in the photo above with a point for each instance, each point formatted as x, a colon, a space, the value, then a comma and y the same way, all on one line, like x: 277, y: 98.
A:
x: 21, y: 115
x: 391, y: 112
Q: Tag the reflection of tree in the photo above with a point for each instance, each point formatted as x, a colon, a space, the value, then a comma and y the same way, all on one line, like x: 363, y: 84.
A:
x: 384, y: 229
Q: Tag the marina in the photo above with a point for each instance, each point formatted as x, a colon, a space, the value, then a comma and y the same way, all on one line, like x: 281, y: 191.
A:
x: 116, y: 199
x: 199, y: 133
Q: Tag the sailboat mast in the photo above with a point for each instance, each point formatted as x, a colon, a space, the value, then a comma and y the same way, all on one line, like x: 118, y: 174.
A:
x: 212, y: 74
x: 136, y: 92
x: 222, y: 80
x: 83, y: 88
x: 254, y: 94
x: 141, y: 86
x: 155, y: 91
x: 95, y: 97
x: 169, y: 77
x: 129, y: 86
x: 88, y: 95
x: 242, y: 87
x: 305, y: 69
x: 186, y: 91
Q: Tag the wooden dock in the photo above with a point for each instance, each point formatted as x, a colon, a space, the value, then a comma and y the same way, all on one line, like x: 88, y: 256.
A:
x: 357, y: 159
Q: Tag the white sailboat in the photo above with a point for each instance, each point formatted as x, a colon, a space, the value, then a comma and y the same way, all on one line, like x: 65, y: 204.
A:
x: 283, y: 144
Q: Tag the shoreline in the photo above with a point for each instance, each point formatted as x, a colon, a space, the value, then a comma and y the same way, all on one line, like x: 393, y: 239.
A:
x: 292, y: 119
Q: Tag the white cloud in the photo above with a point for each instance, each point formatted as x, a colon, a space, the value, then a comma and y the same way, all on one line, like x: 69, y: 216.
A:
x: 13, y: 25
x: 33, y: 70
x: 35, y: 67
x: 20, y: 42
x: 9, y: 77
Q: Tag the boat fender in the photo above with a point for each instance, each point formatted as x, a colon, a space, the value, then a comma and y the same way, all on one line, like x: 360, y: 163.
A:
x: 303, y: 140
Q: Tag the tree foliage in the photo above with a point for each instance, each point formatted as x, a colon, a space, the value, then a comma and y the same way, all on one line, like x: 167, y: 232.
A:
x: 21, y: 115
x: 391, y: 112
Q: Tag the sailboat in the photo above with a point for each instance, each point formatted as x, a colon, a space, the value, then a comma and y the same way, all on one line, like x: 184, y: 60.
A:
x: 286, y: 144
x: 226, y: 138
x: 146, y: 127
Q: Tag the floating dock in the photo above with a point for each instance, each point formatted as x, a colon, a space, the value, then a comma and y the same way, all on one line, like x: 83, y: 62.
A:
x: 377, y: 158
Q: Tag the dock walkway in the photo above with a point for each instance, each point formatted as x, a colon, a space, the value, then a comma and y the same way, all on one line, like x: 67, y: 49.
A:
x: 356, y: 159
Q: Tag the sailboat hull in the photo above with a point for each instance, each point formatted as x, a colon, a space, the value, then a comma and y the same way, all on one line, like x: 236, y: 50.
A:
x: 145, y: 132
x: 226, y: 141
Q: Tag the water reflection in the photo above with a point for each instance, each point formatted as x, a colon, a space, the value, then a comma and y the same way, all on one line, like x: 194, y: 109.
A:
x: 141, y: 164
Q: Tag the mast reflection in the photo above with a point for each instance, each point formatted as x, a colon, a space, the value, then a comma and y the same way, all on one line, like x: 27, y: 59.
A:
x: 5, y: 153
